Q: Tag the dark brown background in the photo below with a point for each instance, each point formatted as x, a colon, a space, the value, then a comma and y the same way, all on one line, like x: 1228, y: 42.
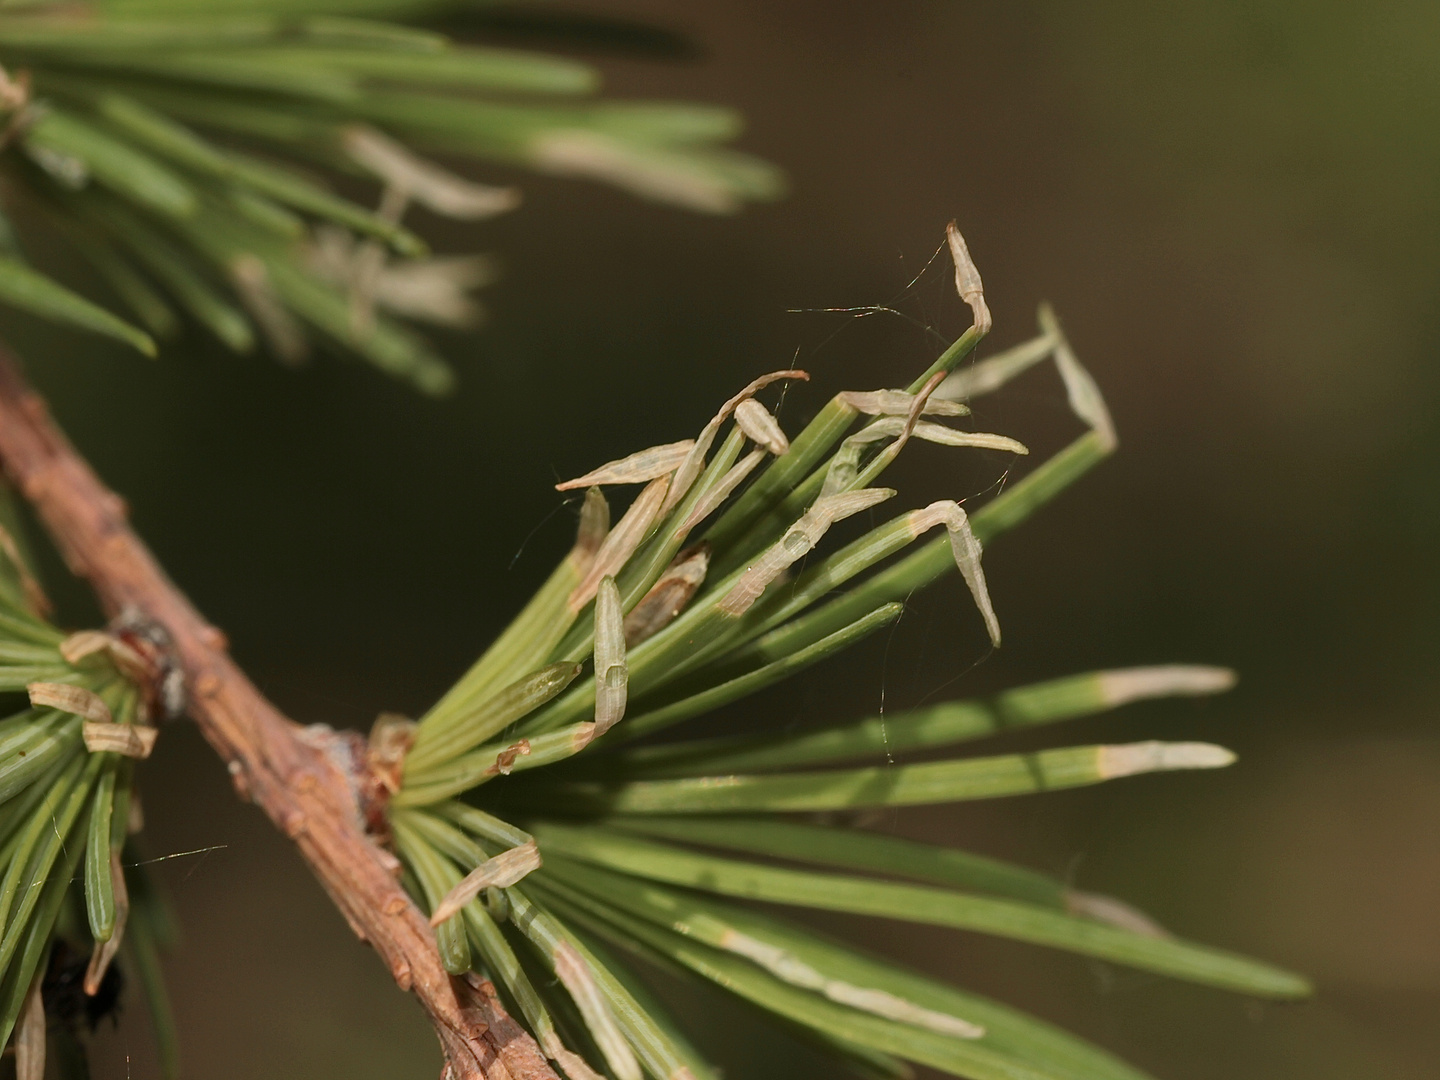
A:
x: 1234, y: 208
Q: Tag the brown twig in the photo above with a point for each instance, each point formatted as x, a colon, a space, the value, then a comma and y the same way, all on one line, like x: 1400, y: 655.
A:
x: 272, y: 761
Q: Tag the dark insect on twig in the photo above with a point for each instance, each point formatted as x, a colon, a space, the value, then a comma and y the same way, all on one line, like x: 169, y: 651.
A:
x: 63, y: 991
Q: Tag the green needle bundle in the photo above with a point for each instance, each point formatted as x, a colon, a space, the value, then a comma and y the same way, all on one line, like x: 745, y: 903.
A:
x: 558, y: 825
x: 69, y: 881
x: 186, y: 148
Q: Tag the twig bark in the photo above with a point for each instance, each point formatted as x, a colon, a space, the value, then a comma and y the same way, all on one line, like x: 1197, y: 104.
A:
x: 304, y: 790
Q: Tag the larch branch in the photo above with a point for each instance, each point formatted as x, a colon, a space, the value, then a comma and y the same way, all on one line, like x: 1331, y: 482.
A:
x: 274, y: 762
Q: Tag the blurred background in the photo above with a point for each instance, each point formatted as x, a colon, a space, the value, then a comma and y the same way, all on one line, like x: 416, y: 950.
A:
x: 1234, y: 207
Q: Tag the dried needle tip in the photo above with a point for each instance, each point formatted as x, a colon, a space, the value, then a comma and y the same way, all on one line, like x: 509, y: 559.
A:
x: 581, y: 735
x: 424, y: 181
x: 129, y: 740
x: 506, y: 869
x: 760, y: 427
x: 899, y: 403
x: 712, y: 499
x: 1124, y: 685
x: 504, y: 763
x: 282, y: 330
x: 694, y: 461
x: 1084, y: 395
x: 668, y: 596
x: 907, y: 426
x: 599, y: 156
x: 621, y: 542
x: 1107, y: 909
x: 70, y: 699
x: 594, y: 524
x: 638, y: 468
x: 844, y: 470
x: 436, y: 290
x: 797, y: 542
x: 433, y: 290
x: 1129, y: 759
x: 995, y: 371
x: 967, y: 278
x: 104, y: 951
x: 84, y: 643
x: 612, y: 677
x: 892, y: 426
x: 966, y: 550
x: 787, y: 966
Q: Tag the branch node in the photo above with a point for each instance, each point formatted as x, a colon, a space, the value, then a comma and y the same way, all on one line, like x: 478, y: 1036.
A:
x: 403, y: 976
x: 148, y: 658
x: 215, y: 638
x: 35, y: 408
x: 267, y: 755
x: 236, y: 769
x: 295, y: 823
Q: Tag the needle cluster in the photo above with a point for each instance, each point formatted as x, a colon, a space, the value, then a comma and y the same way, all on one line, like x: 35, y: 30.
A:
x: 558, y: 823
x: 187, y: 149
x: 69, y: 881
